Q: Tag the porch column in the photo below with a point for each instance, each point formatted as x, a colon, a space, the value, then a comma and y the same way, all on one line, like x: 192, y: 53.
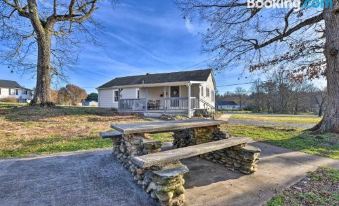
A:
x: 189, y: 100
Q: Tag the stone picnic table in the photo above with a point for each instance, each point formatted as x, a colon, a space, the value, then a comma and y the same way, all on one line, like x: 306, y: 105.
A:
x: 160, y: 173
x: 165, y: 126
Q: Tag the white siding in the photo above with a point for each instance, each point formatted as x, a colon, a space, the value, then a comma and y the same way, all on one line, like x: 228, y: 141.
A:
x: 210, y: 85
x: 20, y: 96
x: 106, y: 96
x: 4, y: 92
x: 129, y: 93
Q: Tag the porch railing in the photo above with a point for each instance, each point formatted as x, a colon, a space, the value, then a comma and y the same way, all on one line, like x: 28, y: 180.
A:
x: 172, y: 103
x: 132, y: 104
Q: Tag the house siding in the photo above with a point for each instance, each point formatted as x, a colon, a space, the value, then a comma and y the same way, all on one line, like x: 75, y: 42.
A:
x: 106, y: 96
x: 20, y: 96
x: 203, y: 95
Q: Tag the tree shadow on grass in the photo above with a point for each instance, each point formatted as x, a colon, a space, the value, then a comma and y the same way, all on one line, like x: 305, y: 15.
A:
x: 326, y: 145
x: 36, y: 113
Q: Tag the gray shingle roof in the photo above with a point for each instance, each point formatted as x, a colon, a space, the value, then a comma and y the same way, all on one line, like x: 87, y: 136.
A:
x: 225, y: 102
x: 196, y: 75
x: 9, y: 84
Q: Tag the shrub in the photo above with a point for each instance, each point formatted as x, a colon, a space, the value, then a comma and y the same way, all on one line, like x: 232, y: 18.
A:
x: 9, y: 99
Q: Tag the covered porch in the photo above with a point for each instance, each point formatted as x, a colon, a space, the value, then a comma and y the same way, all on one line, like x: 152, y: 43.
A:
x: 175, y: 99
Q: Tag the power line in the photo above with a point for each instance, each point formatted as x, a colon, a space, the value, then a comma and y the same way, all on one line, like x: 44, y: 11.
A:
x: 229, y: 85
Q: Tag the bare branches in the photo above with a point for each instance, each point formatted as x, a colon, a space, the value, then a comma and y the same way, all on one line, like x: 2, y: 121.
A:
x: 259, y: 38
x: 78, y: 11
x: 25, y: 22
x: 288, y: 32
x: 17, y: 7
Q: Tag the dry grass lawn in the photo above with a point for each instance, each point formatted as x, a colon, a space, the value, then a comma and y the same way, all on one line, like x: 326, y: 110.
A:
x: 33, y: 130
x: 299, y: 119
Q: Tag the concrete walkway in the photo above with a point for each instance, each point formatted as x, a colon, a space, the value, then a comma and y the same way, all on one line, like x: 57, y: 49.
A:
x: 209, y: 183
x: 95, y: 178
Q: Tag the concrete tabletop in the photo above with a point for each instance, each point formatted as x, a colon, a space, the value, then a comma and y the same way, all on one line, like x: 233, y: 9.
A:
x: 164, y: 126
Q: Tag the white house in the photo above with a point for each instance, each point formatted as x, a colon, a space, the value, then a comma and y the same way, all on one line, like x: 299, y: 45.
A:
x: 11, y: 89
x: 228, y: 105
x: 174, y: 93
x: 89, y: 103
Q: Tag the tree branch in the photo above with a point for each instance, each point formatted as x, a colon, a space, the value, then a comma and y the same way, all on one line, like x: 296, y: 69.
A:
x: 288, y: 32
x: 34, y: 17
x: 16, y: 6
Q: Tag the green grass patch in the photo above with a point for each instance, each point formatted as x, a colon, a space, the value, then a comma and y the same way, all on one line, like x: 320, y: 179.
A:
x: 163, y: 137
x: 318, y: 188
x: 296, y: 139
x: 276, y: 201
x: 47, y: 146
x: 298, y: 119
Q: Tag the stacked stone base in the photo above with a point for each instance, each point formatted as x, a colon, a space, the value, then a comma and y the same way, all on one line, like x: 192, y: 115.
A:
x: 165, y: 183
x: 242, y: 158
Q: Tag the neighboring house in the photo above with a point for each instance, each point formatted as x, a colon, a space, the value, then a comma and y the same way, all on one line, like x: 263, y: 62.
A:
x: 11, y: 89
x: 227, y: 105
x: 86, y: 103
x: 175, y: 93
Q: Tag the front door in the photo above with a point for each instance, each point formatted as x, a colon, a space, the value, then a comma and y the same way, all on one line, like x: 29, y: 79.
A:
x: 175, y: 94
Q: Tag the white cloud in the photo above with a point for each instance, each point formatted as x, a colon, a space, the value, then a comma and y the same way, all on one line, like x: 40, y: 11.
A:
x: 189, y: 26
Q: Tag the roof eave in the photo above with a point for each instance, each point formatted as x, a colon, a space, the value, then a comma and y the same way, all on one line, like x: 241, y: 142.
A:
x: 147, y: 85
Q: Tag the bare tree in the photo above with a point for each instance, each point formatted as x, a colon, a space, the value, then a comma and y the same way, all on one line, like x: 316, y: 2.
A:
x: 306, y: 41
x: 45, y: 27
x: 240, y: 93
x: 320, y: 99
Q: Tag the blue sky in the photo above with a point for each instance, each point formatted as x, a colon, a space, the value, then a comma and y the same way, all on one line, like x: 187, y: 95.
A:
x: 138, y: 37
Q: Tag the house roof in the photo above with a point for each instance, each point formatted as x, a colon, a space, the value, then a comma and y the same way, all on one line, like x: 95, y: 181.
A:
x: 9, y: 84
x: 225, y: 102
x: 196, y: 75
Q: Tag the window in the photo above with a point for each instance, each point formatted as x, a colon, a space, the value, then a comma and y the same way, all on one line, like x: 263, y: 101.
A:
x: 202, y: 91
x: 11, y: 91
x: 116, y: 96
x: 212, y: 95
x: 16, y: 92
x: 26, y: 92
x: 0, y: 91
x: 207, y: 92
x: 138, y: 94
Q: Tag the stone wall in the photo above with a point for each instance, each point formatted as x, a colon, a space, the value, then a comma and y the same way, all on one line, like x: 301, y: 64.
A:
x: 165, y: 183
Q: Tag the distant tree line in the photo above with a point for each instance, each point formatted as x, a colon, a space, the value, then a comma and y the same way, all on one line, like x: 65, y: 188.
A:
x: 279, y: 94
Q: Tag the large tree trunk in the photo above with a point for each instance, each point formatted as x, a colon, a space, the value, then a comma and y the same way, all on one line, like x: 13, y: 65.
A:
x: 330, y: 122
x: 42, y: 93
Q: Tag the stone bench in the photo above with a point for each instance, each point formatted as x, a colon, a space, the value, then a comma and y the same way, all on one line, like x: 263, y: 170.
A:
x: 173, y: 155
x: 161, y: 173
